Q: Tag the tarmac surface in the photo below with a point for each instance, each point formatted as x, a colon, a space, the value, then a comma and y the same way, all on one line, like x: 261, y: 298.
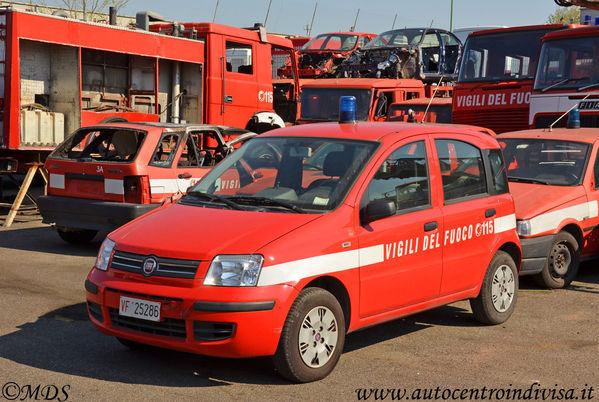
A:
x: 548, y: 349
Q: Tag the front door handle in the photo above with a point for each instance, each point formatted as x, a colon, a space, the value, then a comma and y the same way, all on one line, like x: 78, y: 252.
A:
x: 490, y: 212
x: 430, y: 226
x: 185, y: 176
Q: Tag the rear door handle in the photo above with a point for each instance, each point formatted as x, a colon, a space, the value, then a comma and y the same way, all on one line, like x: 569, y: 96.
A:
x: 490, y: 212
x: 185, y: 176
x: 430, y: 226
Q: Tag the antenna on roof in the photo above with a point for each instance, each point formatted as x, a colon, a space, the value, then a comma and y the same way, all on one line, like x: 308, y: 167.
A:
x: 215, y: 8
x: 394, y: 19
x: 353, y: 28
x: 309, y: 29
x: 431, y: 99
x: 267, y: 12
x: 566, y: 112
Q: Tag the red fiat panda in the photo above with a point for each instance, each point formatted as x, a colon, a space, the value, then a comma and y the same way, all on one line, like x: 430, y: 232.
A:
x: 315, y: 231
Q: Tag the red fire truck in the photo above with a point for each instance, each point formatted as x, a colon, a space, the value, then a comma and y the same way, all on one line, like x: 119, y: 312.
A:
x: 59, y: 74
x: 567, y: 77
x: 496, y: 77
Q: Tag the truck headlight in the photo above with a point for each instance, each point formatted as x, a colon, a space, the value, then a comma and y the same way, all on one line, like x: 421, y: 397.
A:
x: 104, y: 254
x: 234, y: 270
x: 523, y: 228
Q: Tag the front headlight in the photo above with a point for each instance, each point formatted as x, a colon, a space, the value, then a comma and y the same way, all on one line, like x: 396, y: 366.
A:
x: 234, y: 270
x: 523, y: 228
x: 104, y: 254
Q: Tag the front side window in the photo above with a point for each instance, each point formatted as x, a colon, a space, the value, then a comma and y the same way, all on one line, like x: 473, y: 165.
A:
x: 239, y: 58
x: 462, y: 170
x: 322, y: 104
x: 164, y: 154
x: 402, y: 178
x: 542, y: 161
x: 291, y: 174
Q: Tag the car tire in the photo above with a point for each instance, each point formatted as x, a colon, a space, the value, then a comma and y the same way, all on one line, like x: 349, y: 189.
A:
x: 312, y: 338
x: 562, y: 263
x: 76, y: 236
x: 499, y: 291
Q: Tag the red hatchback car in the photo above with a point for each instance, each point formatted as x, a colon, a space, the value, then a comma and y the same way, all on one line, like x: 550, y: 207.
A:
x: 106, y: 175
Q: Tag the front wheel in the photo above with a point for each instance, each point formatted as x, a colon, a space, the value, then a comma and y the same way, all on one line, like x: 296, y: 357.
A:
x: 76, y: 236
x: 499, y: 291
x: 562, y: 263
x: 312, y: 338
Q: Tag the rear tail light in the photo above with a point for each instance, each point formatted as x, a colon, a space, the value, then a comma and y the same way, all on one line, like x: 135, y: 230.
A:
x: 137, y: 189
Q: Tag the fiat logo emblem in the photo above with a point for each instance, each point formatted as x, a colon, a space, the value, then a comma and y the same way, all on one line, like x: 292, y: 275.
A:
x: 149, y: 266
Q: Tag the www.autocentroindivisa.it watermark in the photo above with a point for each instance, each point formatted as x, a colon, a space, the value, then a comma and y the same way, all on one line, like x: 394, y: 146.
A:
x: 13, y: 391
x: 534, y: 392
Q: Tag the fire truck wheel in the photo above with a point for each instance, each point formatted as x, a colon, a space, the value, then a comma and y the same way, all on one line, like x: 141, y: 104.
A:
x: 562, y: 263
x: 499, y: 291
x: 76, y: 236
x: 114, y: 119
x: 312, y: 338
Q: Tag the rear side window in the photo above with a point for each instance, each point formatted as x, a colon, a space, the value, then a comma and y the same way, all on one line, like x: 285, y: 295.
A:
x: 166, y: 150
x: 462, y: 170
x: 105, y: 145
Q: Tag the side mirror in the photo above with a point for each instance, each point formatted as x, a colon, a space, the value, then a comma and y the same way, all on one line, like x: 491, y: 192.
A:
x: 378, y: 209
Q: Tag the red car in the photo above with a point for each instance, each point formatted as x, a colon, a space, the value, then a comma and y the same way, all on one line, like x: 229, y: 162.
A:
x: 333, y: 227
x: 106, y: 175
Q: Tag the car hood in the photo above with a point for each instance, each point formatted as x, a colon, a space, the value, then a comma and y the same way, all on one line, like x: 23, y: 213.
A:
x: 198, y: 233
x: 534, y: 199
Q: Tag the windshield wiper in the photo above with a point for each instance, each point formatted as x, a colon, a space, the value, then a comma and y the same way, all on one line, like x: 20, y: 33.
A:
x: 561, y: 83
x: 215, y: 198
x: 263, y: 201
x: 588, y: 86
x: 527, y: 180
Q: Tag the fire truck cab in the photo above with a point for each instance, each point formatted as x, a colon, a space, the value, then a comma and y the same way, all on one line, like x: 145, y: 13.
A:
x: 342, y: 226
x: 496, y: 77
x: 567, y: 77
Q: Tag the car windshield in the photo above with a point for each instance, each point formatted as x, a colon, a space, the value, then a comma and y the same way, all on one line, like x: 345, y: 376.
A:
x: 290, y: 174
x: 335, y: 42
x: 567, y: 64
x: 542, y: 161
x: 500, y: 56
x: 322, y: 104
x: 397, y: 38
x: 113, y: 144
x: 435, y: 113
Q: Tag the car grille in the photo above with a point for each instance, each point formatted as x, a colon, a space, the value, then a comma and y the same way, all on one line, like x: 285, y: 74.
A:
x: 212, y: 331
x: 95, y: 310
x: 498, y: 120
x: 167, y: 267
x: 169, y: 327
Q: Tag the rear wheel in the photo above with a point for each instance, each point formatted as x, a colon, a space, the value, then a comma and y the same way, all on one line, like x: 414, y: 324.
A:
x: 498, y: 293
x: 312, y: 338
x: 562, y: 263
x: 76, y: 236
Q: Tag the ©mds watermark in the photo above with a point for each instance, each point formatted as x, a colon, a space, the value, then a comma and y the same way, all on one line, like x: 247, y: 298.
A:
x: 13, y: 391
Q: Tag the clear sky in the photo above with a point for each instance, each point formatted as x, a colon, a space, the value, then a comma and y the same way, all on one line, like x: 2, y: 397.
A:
x: 292, y: 16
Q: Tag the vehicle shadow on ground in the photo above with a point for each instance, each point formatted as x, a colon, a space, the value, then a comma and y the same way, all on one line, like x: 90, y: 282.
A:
x: 65, y: 341
x: 47, y: 241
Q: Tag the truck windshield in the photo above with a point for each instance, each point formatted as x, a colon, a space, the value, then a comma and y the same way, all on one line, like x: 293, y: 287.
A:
x: 567, y: 64
x: 322, y: 104
x: 542, y: 161
x: 500, y: 56
x: 334, y: 42
x: 291, y: 174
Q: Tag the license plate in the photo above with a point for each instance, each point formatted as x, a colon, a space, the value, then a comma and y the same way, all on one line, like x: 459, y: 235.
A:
x: 138, y: 308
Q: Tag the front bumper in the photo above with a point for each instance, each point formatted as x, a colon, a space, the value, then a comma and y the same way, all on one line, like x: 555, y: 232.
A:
x: 534, y: 253
x: 208, y: 320
x: 81, y: 213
